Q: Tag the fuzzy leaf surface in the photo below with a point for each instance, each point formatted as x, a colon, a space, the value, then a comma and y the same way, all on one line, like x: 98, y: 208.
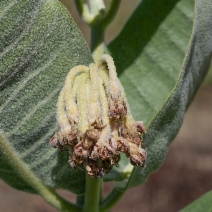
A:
x: 161, y: 62
x: 39, y: 44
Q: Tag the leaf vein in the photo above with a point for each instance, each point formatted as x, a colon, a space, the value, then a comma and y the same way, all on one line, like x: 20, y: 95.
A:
x: 30, y: 77
x: 185, y: 14
x: 46, y: 156
x: 165, y: 71
x: 7, y: 8
x: 139, y: 91
x: 38, y: 143
x: 34, y: 109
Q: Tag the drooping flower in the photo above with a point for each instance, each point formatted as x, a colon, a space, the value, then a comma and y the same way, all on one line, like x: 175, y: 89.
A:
x: 95, y: 121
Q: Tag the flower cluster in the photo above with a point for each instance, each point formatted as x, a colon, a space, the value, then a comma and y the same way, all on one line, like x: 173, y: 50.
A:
x: 95, y: 122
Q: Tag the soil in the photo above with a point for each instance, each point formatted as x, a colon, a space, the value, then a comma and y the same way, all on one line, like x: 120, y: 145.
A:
x: 183, y: 177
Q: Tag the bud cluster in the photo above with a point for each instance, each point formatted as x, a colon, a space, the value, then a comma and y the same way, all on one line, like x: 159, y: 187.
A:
x: 95, y: 122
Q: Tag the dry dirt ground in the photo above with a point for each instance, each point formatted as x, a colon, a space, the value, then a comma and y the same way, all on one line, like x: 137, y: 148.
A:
x: 184, y: 176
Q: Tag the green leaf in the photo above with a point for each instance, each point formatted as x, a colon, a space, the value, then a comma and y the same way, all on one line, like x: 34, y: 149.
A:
x: 39, y: 44
x: 201, y: 204
x: 149, y: 54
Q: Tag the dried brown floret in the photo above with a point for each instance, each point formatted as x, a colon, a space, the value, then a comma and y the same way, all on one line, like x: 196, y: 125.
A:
x: 80, y: 151
x: 137, y: 155
x: 114, y: 160
x: 94, y: 154
x: 58, y: 141
x: 104, y: 150
x: 117, y: 108
x: 123, y: 145
x: 137, y: 140
x: 140, y: 127
x: 75, y: 161
x: 54, y: 141
x: 94, y: 168
x: 72, y: 137
x: 93, y: 134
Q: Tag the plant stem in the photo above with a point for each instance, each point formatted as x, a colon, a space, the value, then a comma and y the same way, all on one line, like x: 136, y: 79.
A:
x: 92, y: 194
x: 108, y: 203
x: 80, y: 199
x: 98, y: 24
x: 97, y: 41
x: 110, y: 12
x: 101, y: 197
x: 22, y: 169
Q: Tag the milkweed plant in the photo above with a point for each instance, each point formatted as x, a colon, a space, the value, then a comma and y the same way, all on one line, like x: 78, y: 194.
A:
x: 109, y: 111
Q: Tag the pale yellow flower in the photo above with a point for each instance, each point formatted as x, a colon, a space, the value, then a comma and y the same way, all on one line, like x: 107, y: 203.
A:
x: 95, y: 122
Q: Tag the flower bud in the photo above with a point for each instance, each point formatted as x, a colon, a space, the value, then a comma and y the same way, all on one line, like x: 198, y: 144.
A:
x: 95, y: 122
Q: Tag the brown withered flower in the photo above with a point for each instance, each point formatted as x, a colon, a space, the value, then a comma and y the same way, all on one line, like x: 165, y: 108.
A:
x: 95, y: 122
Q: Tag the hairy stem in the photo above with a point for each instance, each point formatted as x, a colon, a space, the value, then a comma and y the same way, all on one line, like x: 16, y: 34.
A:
x: 98, y: 23
x: 92, y: 194
x: 97, y: 41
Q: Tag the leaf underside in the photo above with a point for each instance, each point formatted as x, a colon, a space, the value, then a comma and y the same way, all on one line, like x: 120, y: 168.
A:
x: 39, y: 44
x: 159, y: 88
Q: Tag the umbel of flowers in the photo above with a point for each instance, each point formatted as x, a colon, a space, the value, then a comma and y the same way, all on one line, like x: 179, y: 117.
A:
x: 95, y: 122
